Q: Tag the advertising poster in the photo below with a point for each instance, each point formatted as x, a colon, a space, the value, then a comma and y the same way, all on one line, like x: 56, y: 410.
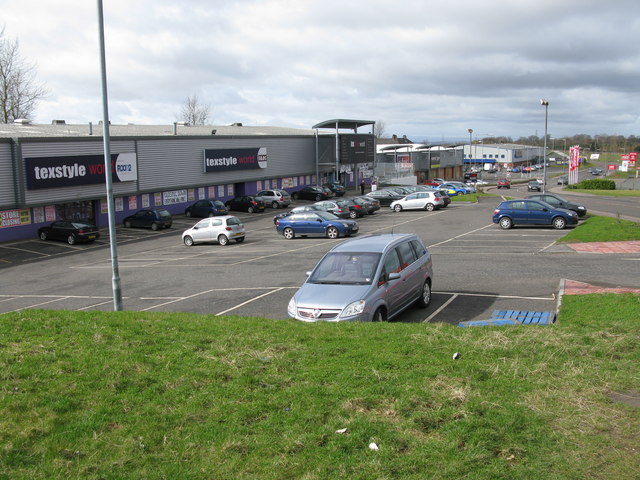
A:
x: 50, y: 213
x: 220, y: 160
x: 157, y: 199
x: 212, y: 192
x: 38, y: 215
x: 14, y: 218
x: 145, y: 200
x: 133, y: 202
x: 173, y: 197
x: 56, y: 172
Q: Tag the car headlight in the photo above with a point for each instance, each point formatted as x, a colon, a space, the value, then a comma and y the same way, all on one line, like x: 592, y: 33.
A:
x: 292, y: 308
x: 353, y: 309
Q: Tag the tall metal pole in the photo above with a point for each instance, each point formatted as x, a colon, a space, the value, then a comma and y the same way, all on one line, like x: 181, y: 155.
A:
x: 470, y: 157
x: 545, y: 104
x: 115, y: 279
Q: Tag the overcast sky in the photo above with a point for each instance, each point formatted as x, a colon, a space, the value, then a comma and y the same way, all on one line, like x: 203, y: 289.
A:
x: 428, y: 69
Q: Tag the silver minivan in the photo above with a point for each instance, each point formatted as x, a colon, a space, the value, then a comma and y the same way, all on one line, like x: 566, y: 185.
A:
x: 370, y: 278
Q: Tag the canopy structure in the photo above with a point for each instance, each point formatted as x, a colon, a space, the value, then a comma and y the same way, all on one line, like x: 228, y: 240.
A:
x: 344, y: 123
x: 341, y: 123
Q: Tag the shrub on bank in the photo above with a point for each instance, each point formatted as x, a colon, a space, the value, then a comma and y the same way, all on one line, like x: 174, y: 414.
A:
x: 594, y: 184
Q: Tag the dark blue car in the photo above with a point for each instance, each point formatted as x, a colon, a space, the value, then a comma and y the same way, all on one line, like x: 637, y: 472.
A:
x: 322, y: 224
x: 153, y: 218
x: 532, y: 212
x: 206, y: 208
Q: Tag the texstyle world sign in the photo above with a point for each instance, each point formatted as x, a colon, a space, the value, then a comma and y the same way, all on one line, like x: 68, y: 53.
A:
x: 56, y: 172
x: 219, y: 160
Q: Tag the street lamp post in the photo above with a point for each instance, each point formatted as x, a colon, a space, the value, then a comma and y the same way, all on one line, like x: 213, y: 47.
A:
x: 470, y: 157
x: 545, y: 104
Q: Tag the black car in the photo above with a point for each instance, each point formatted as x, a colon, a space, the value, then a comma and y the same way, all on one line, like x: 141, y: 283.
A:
x: 372, y: 205
x: 534, y: 185
x: 246, y: 203
x: 69, y: 231
x: 206, y: 208
x: 337, y: 189
x: 357, y: 207
x: 153, y: 218
x: 557, y: 201
x: 310, y: 193
x: 385, y: 197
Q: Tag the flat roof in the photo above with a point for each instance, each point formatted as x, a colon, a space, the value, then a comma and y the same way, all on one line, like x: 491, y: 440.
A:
x: 344, y: 123
x: 30, y: 130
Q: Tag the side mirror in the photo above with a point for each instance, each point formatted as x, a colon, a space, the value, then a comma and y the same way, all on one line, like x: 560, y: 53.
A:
x: 393, y: 276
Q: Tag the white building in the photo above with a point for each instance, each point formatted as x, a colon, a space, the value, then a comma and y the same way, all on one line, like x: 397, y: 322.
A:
x: 501, y: 156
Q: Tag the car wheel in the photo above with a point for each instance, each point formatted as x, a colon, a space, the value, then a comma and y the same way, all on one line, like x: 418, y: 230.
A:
x: 288, y: 233
x: 380, y: 315
x: 559, y: 223
x: 332, y: 232
x: 43, y: 235
x: 397, y: 208
x: 353, y: 214
x: 294, y: 196
x: 187, y: 213
x: 240, y: 240
x: 211, y: 214
x: 223, y: 240
x: 425, y: 297
x: 154, y: 226
x: 318, y: 198
x: 127, y: 224
x: 274, y: 205
x: 250, y: 210
x: 506, y: 223
x: 429, y: 207
x: 188, y: 241
x: 71, y: 239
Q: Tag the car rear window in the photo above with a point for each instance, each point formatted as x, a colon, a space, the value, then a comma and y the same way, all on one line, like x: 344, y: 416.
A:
x: 233, y: 221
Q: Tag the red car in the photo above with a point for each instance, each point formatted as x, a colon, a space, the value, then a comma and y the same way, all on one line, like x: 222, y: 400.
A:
x: 504, y: 183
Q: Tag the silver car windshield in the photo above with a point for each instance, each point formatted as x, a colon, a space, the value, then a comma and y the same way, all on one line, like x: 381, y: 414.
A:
x: 346, y: 268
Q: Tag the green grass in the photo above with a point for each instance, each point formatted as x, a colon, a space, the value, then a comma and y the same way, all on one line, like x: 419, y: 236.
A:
x: 603, y: 229
x: 129, y: 395
x: 607, y: 193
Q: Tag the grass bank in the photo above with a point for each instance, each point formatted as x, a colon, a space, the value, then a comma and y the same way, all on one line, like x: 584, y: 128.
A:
x: 603, y: 229
x: 132, y: 395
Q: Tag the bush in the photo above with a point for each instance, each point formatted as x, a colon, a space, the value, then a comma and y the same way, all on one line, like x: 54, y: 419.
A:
x: 595, y: 184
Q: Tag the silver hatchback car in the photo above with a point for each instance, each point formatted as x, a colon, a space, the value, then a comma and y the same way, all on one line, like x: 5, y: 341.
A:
x: 370, y: 278
x: 215, y: 229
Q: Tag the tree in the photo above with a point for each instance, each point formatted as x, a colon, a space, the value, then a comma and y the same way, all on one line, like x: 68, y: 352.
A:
x: 378, y: 129
x: 19, y: 89
x: 193, y: 112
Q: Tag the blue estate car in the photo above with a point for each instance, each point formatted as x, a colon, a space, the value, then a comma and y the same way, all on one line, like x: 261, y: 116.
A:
x: 532, y: 212
x: 322, y: 224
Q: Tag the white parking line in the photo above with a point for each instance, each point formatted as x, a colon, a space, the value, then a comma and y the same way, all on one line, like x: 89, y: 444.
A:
x: 461, y: 235
x: 442, y: 307
x: 249, y: 301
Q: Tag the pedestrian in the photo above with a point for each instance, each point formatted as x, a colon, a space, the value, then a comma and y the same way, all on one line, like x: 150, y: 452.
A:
x: 362, y: 187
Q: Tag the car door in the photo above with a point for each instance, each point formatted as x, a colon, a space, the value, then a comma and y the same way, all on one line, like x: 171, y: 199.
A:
x: 202, y: 231
x: 411, y: 273
x: 394, y: 289
x: 538, y: 213
x: 200, y: 208
x: 519, y: 212
x: 413, y: 201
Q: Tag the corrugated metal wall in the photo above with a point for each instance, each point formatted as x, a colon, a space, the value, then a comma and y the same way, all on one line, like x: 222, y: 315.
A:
x: 81, y: 192
x: 7, y: 184
x: 179, y: 163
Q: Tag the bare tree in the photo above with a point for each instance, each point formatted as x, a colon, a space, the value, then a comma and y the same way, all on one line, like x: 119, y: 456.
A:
x: 193, y: 112
x: 19, y: 89
x: 378, y: 129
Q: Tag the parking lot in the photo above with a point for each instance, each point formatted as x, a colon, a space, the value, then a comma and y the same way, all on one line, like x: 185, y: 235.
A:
x: 478, y: 267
